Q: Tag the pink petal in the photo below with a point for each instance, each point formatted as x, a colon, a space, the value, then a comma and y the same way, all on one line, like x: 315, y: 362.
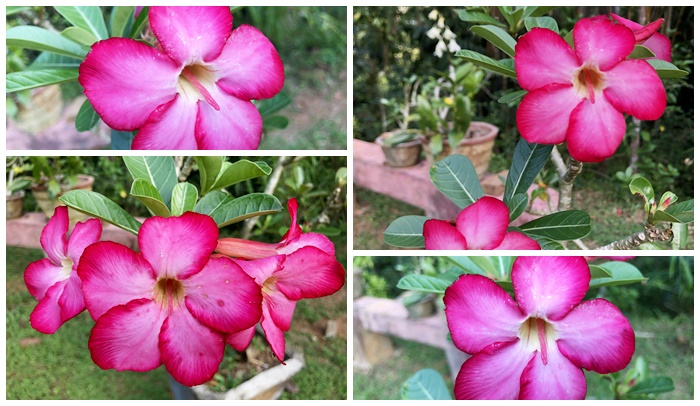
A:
x: 246, y: 249
x: 632, y: 25
x: 126, y: 337
x: 112, y: 275
x: 46, y: 316
x: 223, y: 297
x: 40, y: 275
x: 240, y: 341
x: 191, y: 351
x: 493, y: 373
x: 633, y: 87
x: 480, y: 313
x: 53, y: 237
x: 518, y: 241
x: 273, y: 334
x: 549, y: 286
x: 660, y: 45
x: 317, y: 240
x: 71, y: 300
x: 595, y: 335
x: 543, y: 57
x: 178, y: 247
x: 309, y: 273
x: 249, y: 65
x: 126, y: 80
x: 543, y: 115
x: 595, y: 131
x: 600, y: 42
x: 84, y: 234
x: 280, y: 308
x: 170, y: 126
x: 484, y: 223
x: 559, y: 379
x: 441, y: 235
x: 261, y: 269
x: 236, y: 126
x: 191, y: 34
x: 294, y: 228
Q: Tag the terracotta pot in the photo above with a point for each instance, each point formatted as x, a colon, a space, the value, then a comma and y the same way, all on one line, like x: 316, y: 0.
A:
x: 401, y: 155
x: 15, y: 205
x: 48, y: 205
x: 477, y: 145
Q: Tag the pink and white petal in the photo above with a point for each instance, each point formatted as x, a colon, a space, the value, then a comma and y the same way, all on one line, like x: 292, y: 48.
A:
x: 84, y: 234
x: 549, y: 287
x: 660, y: 45
x: 600, y: 42
x: 236, y: 126
x: 317, y: 240
x: 480, y: 313
x: 280, y: 308
x: 71, y: 300
x: 170, y: 126
x: 484, y: 223
x: 126, y: 80
x: 493, y: 373
x: 112, y: 275
x: 261, y: 269
x: 53, y: 237
x: 294, y: 228
x: 178, y: 247
x: 542, y: 57
x: 633, y: 87
x: 191, y: 351
x: 40, y: 275
x: 191, y: 34
x: 441, y: 235
x: 249, y: 66
x: 543, y: 114
x: 126, y: 337
x: 518, y: 241
x: 223, y: 297
x: 273, y: 334
x: 596, y: 336
x: 595, y: 131
x: 46, y: 316
x: 246, y: 249
x: 558, y: 380
x: 241, y: 340
x: 309, y: 273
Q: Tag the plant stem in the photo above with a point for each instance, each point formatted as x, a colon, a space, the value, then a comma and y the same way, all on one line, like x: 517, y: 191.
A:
x: 567, y: 175
x: 650, y: 234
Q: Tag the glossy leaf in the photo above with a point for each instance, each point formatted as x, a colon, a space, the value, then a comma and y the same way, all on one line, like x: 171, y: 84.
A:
x: 497, y: 36
x: 89, y: 18
x: 212, y: 201
x: 683, y: 211
x: 666, y: 70
x: 426, y: 384
x: 406, y: 232
x: 49, y: 60
x: 622, y: 273
x: 541, y: 22
x: 30, y: 79
x: 209, y: 169
x: 478, y: 17
x: 120, y: 20
x: 423, y: 283
x: 561, y: 226
x: 486, y: 62
x: 245, y: 207
x: 641, y: 187
x: 87, y: 117
x: 517, y: 205
x: 139, y: 24
x: 99, y: 206
x: 536, y: 11
x: 512, y: 97
x: 599, y: 272
x: 158, y: 170
x: 147, y: 194
x: 40, y: 39
x: 184, y: 198
x: 232, y: 173
x: 528, y: 161
x: 456, y: 178
x: 79, y: 36
x: 641, y: 52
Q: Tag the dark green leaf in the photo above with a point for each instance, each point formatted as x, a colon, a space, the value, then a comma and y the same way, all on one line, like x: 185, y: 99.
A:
x: 657, y: 384
x: 547, y: 243
x: 497, y: 36
x: 209, y: 169
x: 486, y: 62
x: 536, y: 11
x: 120, y: 140
x: 49, y: 60
x: 30, y: 79
x: 561, y: 226
x: 622, y: 273
x: 184, y: 198
x: 512, y: 96
x: 240, y: 171
x: 121, y: 15
x: 212, y: 201
x: 666, y: 70
x: 641, y: 52
x: 89, y: 18
x: 87, y: 117
x: 528, y: 161
x: 245, y: 207
x: 423, y: 283
x: 406, y: 232
x: 426, y: 384
x: 477, y: 17
x: 158, y: 170
x: 96, y: 205
x: 683, y: 211
x: 147, y: 194
x: 139, y: 23
x: 456, y: 178
x: 542, y: 22
x: 275, y: 123
x: 517, y: 205
x: 269, y: 107
x: 40, y: 39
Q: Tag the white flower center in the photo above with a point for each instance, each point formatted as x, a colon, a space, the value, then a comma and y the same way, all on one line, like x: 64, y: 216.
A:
x: 194, y: 82
x: 536, y: 335
x: 67, y: 267
x: 588, y: 82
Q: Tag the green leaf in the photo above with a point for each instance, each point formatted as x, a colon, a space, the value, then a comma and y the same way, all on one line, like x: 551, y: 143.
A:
x: 244, y: 207
x: 569, y: 38
x: 683, y: 211
x: 212, y: 201
x: 99, y: 206
x: 599, y: 272
x: 79, y: 35
x: 486, y: 62
x: 239, y: 171
x: 89, y: 18
x: 423, y: 283
x: 680, y: 236
x: 536, y: 11
x: 517, y: 205
x: 641, y: 52
x: 497, y: 36
x: 184, y: 198
x: 158, y: 170
x: 622, y: 273
x: 49, y: 60
x: 30, y: 79
x: 656, y: 384
x: 528, y: 161
x: 641, y: 187
x: 541, y: 22
x: 512, y: 96
x: 40, y: 39
x: 561, y: 226
x: 139, y: 23
x: 87, y: 117
x: 147, y: 194
x: 456, y: 178
x: 9, y: 10
x: 467, y: 265
x: 462, y: 118
x: 406, y: 232
x: 666, y: 70
x: 275, y: 123
x: 478, y: 17
x: 120, y: 19
x: 426, y: 384
x: 548, y: 244
x: 209, y: 169
x: 269, y: 107
x: 428, y: 119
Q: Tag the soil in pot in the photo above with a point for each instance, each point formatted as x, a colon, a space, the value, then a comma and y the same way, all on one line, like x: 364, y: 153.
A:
x: 401, y: 154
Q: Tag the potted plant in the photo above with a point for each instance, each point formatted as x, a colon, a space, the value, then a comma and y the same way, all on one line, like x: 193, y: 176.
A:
x: 14, y: 191
x: 52, y: 177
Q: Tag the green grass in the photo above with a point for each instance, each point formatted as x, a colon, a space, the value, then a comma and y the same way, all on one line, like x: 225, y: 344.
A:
x: 322, y: 134
x: 373, y: 212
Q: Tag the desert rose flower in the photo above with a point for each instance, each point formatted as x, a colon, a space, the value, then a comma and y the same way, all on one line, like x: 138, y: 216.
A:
x: 54, y: 280
x: 169, y: 304
x: 647, y: 36
x: 481, y: 226
x: 579, y: 95
x: 194, y: 90
x: 534, y: 347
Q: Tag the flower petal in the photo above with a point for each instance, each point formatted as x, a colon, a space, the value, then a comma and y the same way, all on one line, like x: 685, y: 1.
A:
x: 633, y: 87
x: 40, y: 275
x: 600, y: 42
x: 112, y: 275
x: 480, y: 313
x: 246, y: 249
x: 316, y: 240
x: 549, y: 286
x: 46, y: 316
x: 309, y: 273
x: 191, y: 351
x: 441, y: 235
x: 595, y: 335
x: 493, y: 373
x: 236, y: 126
x: 178, y: 247
x: 223, y: 297
x: 53, y: 237
x: 240, y: 341
x: 543, y: 115
x: 126, y: 80
x: 126, y: 337
x: 543, y: 57
x: 273, y: 334
x: 280, y: 308
x: 660, y: 45
x: 249, y: 65
x: 71, y: 300
x: 191, y: 34
x: 484, y: 223
x: 170, y: 126
x: 294, y: 228
x: 559, y: 379
x: 261, y: 269
x: 595, y: 131
x: 84, y: 234
x: 518, y: 241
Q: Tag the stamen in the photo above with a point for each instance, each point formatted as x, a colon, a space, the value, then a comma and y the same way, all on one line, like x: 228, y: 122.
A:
x: 542, y: 334
x: 589, y: 84
x: 198, y: 85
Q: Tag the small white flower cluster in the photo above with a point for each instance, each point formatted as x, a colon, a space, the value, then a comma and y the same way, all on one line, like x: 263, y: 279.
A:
x: 442, y: 33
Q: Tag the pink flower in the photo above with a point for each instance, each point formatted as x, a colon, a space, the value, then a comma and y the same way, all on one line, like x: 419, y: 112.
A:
x: 480, y: 226
x: 54, y: 281
x: 291, y: 241
x: 306, y: 273
x: 579, y: 96
x: 193, y: 90
x: 169, y: 304
x: 536, y: 346
x: 647, y: 36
